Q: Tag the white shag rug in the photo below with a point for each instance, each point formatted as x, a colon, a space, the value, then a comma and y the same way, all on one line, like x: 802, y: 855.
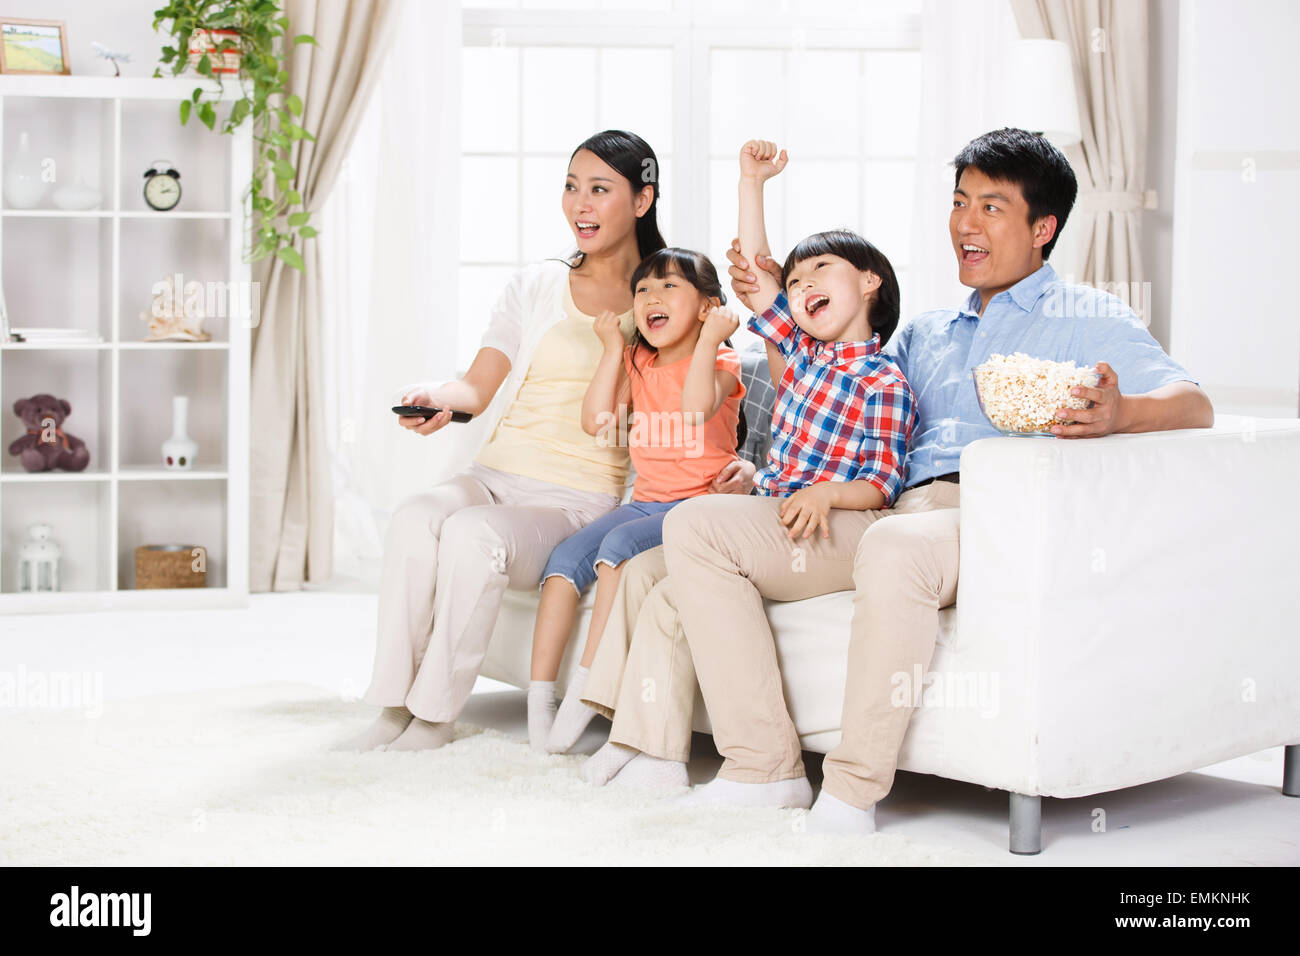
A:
x: 245, y: 777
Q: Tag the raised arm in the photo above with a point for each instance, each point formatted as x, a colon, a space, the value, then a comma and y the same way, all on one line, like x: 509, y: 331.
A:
x: 759, y: 162
x: 609, y: 385
x: 745, y: 284
x: 707, y: 386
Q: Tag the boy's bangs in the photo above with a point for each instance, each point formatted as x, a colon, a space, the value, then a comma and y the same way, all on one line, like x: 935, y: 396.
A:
x: 845, y: 245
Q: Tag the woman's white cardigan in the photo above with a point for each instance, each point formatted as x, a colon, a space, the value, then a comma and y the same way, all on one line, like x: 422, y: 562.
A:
x: 531, y: 303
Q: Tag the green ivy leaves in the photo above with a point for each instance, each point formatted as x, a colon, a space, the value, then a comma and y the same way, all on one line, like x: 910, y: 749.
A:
x: 275, y: 204
x: 290, y: 255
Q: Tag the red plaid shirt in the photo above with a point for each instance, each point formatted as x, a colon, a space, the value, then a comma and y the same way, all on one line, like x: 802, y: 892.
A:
x: 844, y: 411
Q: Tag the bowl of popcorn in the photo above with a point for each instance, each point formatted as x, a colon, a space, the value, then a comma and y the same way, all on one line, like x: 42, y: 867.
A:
x: 1020, y: 394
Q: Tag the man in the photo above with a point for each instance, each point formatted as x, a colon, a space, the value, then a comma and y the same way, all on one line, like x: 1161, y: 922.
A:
x: 1013, y: 193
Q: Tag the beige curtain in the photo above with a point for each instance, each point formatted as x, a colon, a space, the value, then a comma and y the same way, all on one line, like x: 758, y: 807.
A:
x: 1108, y: 39
x: 291, y: 500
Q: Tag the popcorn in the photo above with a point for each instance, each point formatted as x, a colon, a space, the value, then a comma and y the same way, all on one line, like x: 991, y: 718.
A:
x: 1021, y: 394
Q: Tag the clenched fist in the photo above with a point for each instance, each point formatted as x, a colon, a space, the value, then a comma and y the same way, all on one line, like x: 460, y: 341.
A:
x: 608, y: 331
x: 760, y: 160
x: 719, y: 324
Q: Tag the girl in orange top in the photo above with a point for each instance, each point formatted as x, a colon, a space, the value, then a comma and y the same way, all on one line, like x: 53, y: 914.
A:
x: 682, y: 381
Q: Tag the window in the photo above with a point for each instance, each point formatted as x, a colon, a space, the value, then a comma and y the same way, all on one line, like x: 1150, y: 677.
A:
x: 835, y: 81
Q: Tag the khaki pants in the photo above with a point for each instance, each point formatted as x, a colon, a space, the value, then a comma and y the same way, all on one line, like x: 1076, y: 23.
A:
x: 726, y: 554
x: 642, y: 676
x: 605, y: 678
x: 449, y: 555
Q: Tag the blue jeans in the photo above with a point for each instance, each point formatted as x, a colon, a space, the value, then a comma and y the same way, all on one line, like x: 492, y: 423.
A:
x: 612, y: 538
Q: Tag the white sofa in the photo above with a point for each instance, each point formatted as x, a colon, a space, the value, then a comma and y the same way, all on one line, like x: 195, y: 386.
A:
x: 1125, y: 613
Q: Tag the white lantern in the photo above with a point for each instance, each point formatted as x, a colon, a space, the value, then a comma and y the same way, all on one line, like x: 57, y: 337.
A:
x: 38, y: 561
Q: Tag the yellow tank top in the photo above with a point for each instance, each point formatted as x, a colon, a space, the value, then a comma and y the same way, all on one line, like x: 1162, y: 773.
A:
x: 540, y: 435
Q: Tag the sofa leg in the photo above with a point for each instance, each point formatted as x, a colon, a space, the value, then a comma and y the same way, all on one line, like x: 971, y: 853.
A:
x: 1291, y: 770
x: 1026, y: 824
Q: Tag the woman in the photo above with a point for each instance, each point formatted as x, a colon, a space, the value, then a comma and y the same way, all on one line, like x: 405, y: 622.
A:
x: 536, y: 477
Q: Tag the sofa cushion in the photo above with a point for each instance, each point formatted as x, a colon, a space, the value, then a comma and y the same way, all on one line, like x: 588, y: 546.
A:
x: 760, y: 397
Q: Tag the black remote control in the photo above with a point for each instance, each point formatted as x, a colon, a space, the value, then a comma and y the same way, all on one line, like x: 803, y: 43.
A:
x: 426, y: 411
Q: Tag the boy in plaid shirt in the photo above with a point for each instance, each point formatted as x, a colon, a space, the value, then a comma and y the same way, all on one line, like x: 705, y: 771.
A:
x: 843, y: 416
x: 844, y: 412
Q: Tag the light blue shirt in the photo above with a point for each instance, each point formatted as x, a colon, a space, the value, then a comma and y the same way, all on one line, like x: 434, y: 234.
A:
x: 1041, y: 316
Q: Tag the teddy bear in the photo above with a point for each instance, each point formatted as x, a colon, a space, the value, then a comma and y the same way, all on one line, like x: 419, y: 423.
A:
x: 46, y: 445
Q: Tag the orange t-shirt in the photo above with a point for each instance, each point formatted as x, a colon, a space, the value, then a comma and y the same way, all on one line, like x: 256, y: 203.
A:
x: 674, y: 460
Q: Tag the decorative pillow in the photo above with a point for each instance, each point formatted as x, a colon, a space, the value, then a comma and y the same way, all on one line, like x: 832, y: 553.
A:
x: 760, y: 397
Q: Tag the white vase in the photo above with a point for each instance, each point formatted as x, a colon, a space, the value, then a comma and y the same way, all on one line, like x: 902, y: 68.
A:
x: 178, y: 451
x: 23, y: 186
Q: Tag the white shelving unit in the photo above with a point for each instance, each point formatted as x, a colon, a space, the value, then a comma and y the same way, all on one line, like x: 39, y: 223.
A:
x: 96, y: 269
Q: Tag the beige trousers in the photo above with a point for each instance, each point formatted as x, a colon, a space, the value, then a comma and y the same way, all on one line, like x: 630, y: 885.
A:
x: 605, y: 677
x: 642, y: 676
x: 449, y: 554
x: 725, y: 554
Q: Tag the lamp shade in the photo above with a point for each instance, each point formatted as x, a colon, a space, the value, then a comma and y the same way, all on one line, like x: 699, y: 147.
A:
x: 1040, y: 94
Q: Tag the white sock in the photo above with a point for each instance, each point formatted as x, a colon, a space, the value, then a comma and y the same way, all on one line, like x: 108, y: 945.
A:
x: 652, y: 773
x: 600, y: 767
x: 795, y: 792
x: 573, y: 716
x: 388, y: 726
x: 833, y: 816
x: 423, y: 735
x: 541, y: 712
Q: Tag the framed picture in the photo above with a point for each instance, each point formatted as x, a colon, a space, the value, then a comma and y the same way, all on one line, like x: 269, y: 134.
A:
x: 33, y: 46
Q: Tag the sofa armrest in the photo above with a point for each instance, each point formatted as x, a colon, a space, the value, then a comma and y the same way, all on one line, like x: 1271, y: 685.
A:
x: 1136, y: 597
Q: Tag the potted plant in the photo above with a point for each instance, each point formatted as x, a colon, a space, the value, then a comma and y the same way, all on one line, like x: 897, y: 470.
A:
x: 221, y: 48
x: 246, y: 40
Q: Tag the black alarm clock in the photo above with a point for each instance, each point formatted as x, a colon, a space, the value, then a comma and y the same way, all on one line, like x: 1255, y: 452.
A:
x: 162, y: 186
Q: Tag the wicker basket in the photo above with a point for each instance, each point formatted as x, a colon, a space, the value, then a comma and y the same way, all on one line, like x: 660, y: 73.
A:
x: 168, y: 566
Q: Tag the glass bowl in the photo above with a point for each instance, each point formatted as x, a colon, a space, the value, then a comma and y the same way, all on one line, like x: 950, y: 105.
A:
x: 1019, y: 395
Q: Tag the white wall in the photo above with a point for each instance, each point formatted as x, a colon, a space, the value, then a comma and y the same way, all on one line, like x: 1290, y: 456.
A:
x: 121, y: 25
x: 1235, y: 323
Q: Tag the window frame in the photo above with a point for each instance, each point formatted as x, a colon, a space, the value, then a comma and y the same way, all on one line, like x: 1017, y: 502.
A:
x: 692, y: 34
